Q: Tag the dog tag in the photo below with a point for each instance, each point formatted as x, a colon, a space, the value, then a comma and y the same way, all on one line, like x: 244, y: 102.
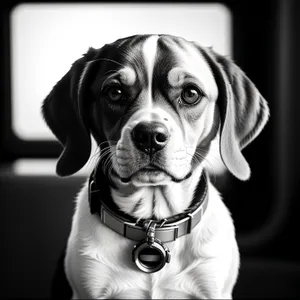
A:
x: 150, y: 255
x: 150, y: 258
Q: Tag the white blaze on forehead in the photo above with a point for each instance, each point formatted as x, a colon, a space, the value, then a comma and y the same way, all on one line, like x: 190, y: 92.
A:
x: 127, y: 76
x: 191, y: 61
x: 149, y: 53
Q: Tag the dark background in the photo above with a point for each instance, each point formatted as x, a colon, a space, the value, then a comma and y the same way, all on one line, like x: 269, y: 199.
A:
x: 36, y: 211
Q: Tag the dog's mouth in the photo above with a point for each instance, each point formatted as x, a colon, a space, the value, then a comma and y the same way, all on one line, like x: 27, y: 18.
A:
x: 151, y: 175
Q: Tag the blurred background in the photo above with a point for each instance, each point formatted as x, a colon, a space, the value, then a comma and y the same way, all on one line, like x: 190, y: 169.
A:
x: 40, y: 41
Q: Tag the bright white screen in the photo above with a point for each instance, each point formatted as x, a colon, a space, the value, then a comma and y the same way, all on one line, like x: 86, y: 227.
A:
x: 47, y: 38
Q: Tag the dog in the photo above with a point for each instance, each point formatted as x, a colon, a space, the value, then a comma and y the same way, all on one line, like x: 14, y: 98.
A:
x: 148, y: 222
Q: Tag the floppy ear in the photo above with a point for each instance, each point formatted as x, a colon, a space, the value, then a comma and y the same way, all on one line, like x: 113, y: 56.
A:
x: 243, y: 112
x: 61, y: 113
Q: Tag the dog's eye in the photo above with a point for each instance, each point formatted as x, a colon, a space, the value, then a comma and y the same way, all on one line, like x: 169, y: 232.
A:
x: 114, y: 93
x: 191, y: 95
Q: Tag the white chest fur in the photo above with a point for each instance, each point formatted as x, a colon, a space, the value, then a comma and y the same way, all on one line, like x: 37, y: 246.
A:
x: 204, y: 263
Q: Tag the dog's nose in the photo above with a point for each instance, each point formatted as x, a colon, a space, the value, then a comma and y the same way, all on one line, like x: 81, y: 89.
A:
x: 150, y: 137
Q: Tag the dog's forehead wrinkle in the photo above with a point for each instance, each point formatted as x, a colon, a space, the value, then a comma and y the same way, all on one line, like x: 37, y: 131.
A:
x: 178, y: 76
x: 122, y: 55
x: 134, y: 58
x: 132, y: 55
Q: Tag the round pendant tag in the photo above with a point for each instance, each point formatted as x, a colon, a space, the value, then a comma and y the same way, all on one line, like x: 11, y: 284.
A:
x: 150, y: 257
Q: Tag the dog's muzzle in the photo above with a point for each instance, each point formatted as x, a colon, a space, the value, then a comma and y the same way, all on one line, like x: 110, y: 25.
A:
x: 150, y: 137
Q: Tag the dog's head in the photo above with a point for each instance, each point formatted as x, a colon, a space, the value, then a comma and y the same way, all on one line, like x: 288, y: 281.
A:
x: 157, y: 102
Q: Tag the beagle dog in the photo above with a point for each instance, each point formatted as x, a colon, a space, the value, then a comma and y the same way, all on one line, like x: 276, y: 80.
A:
x: 148, y: 222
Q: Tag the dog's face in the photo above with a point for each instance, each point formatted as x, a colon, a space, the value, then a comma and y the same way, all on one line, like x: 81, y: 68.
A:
x: 155, y: 101
x: 154, y: 104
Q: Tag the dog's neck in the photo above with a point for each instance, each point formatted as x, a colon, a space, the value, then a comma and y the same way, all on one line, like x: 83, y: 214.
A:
x: 156, y: 202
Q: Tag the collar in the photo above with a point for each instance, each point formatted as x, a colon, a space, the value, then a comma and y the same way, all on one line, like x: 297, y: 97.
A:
x: 166, y: 230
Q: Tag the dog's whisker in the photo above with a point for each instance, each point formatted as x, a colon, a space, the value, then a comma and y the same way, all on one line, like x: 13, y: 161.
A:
x: 209, y: 164
x: 93, y: 158
x: 105, y: 152
x: 108, y: 160
x: 107, y: 164
x: 212, y: 156
x: 103, y: 167
x: 98, y: 153
x: 199, y: 158
x: 108, y: 142
x: 110, y: 167
x: 195, y: 159
x: 105, y: 156
x: 106, y: 147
